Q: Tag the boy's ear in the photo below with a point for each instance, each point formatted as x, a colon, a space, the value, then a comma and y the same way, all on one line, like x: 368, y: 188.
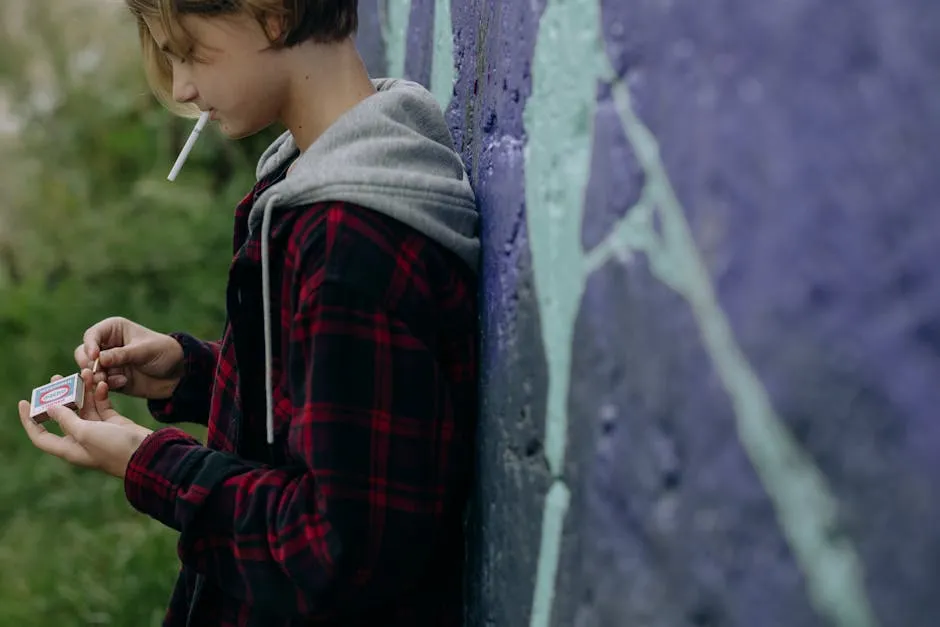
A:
x: 274, y: 27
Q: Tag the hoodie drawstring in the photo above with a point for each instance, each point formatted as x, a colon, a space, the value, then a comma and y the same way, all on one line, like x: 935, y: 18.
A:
x: 266, y: 298
x: 268, y: 385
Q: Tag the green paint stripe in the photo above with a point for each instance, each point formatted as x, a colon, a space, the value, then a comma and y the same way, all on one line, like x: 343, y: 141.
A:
x: 632, y: 233
x: 559, y: 119
x: 557, y: 502
x: 442, y: 63
x: 396, y: 35
x: 805, y: 506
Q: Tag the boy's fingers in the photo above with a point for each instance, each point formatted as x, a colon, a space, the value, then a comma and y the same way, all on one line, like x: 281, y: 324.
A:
x: 98, y: 334
x: 81, y: 356
x: 39, y: 435
x: 48, y: 442
x: 36, y: 432
x: 126, y: 355
x: 28, y: 422
x: 90, y: 348
x: 88, y: 411
x: 101, y: 375
x: 102, y: 401
x: 68, y: 420
x: 114, y: 357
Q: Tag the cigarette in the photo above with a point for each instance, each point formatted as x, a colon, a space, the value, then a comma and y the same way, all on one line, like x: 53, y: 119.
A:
x: 94, y: 368
x: 188, y: 146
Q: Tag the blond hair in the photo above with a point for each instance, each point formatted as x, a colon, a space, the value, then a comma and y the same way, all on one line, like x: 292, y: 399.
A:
x: 303, y: 20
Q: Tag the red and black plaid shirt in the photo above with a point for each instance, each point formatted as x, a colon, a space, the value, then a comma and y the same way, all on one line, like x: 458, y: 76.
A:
x: 353, y: 517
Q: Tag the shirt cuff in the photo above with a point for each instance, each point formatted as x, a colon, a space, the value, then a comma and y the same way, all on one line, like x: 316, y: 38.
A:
x: 189, y: 398
x: 156, y: 471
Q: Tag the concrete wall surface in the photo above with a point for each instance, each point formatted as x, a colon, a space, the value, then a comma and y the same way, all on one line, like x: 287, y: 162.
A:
x: 711, y: 323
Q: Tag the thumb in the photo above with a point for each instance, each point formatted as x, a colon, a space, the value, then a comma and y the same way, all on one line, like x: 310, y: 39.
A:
x: 68, y: 421
x: 134, y: 354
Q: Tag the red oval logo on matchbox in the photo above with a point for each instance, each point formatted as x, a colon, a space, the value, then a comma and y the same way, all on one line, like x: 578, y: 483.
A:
x: 51, y: 396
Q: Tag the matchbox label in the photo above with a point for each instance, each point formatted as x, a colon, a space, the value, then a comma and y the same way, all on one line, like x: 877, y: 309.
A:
x: 58, y: 392
x: 51, y: 396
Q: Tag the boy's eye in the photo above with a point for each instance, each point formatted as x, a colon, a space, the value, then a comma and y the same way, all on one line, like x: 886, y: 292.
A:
x: 180, y: 57
x: 189, y: 56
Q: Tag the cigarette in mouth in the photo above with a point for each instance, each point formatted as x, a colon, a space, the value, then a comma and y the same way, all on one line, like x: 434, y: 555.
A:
x: 188, y: 146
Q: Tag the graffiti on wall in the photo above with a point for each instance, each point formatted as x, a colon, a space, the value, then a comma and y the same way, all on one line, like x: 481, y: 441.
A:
x: 567, y: 66
x: 569, y: 62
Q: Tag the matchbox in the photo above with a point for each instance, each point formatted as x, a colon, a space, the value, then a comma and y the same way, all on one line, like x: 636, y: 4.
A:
x: 69, y: 391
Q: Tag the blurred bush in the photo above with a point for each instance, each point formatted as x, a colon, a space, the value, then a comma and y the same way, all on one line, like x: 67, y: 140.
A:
x: 89, y: 227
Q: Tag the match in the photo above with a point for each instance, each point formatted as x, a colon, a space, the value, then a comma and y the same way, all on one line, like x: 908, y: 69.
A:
x: 188, y: 146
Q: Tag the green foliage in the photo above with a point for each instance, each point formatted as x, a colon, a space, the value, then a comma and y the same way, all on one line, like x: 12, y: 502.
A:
x: 89, y: 227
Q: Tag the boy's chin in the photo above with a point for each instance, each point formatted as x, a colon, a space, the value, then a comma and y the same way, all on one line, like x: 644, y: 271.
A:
x: 239, y: 131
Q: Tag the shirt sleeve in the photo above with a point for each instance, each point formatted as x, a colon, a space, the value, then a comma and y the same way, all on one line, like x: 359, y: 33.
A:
x: 357, y: 518
x: 190, y: 399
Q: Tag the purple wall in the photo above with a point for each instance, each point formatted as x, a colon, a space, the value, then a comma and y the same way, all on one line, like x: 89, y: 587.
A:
x: 711, y: 417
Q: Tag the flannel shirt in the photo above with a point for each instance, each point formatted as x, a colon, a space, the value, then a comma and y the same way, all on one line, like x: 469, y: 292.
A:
x: 353, y: 517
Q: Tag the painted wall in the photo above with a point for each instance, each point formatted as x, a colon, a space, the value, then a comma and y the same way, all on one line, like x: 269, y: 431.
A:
x: 712, y: 304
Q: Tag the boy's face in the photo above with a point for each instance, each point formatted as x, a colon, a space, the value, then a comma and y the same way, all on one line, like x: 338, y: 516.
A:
x: 228, y: 73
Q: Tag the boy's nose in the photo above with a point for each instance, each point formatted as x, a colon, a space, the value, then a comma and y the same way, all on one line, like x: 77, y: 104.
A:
x: 183, y: 90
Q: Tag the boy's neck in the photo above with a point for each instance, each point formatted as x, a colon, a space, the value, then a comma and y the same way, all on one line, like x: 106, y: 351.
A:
x: 325, y: 82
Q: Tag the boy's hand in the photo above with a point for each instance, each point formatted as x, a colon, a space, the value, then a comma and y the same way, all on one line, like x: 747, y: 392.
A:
x: 99, y: 438
x: 134, y: 360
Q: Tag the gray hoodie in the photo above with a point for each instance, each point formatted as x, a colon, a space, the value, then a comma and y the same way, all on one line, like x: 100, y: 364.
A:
x: 391, y: 153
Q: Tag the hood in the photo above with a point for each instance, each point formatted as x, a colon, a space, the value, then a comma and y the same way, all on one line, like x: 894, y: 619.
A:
x: 392, y: 153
